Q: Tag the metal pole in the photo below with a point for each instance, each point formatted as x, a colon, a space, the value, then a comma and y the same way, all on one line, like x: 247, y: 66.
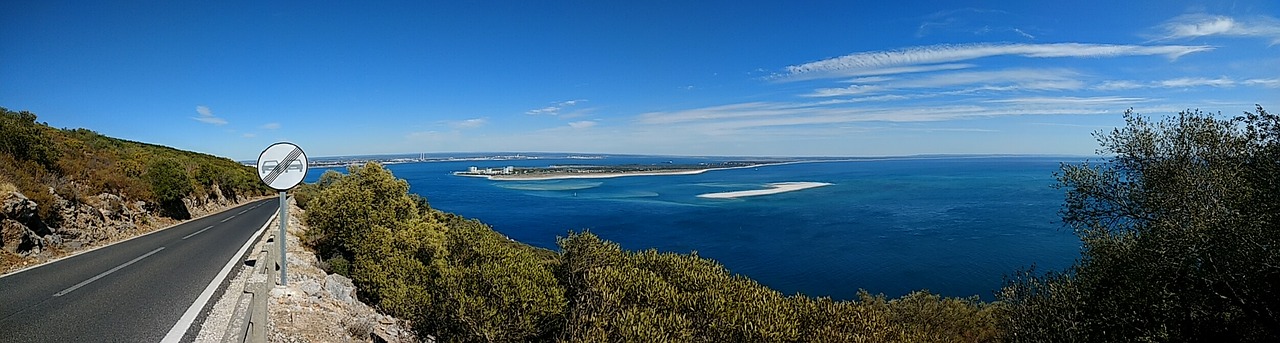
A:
x: 284, y: 222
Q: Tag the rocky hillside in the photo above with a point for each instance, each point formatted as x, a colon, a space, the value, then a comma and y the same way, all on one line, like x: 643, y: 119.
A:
x: 64, y: 190
x: 100, y: 220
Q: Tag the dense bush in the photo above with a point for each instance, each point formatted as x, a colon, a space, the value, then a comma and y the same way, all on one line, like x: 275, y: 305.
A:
x: 460, y: 281
x: 24, y: 139
x: 1179, y: 231
x: 170, y: 184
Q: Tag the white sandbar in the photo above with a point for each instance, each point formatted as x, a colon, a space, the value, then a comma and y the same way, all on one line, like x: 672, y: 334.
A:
x: 565, y: 176
x: 774, y: 188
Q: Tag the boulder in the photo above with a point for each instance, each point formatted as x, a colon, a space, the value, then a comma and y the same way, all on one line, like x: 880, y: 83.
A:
x: 17, y: 207
x: 18, y: 215
x: 11, y: 233
x: 19, y: 239
x: 340, y: 287
x: 310, y: 287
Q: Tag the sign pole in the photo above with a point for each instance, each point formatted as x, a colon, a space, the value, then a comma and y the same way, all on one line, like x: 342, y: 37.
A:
x: 281, y: 166
x: 284, y: 222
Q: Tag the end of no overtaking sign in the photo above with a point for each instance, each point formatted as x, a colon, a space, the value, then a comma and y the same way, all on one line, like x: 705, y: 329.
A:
x: 282, y: 166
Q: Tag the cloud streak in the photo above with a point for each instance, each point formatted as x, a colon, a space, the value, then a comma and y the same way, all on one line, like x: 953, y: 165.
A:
x: 469, y: 123
x: 1186, y: 82
x: 205, y: 115
x: 554, y: 108
x: 1190, y: 26
x: 873, y: 63
x: 997, y: 80
x: 728, y: 118
x: 582, y: 124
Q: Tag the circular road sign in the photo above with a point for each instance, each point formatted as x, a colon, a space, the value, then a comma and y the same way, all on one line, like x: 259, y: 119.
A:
x: 282, y: 166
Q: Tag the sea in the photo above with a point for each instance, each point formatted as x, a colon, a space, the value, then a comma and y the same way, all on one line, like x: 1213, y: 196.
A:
x: 952, y: 225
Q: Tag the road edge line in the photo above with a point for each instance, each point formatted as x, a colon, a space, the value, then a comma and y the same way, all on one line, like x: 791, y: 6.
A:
x: 74, y: 254
x: 175, y: 334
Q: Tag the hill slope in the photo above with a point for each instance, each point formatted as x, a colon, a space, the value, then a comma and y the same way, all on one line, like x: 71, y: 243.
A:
x: 66, y: 189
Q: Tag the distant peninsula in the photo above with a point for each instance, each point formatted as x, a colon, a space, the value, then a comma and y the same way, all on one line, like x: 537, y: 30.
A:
x: 585, y: 171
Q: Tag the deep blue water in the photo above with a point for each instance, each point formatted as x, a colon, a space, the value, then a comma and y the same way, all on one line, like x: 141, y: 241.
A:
x: 952, y: 225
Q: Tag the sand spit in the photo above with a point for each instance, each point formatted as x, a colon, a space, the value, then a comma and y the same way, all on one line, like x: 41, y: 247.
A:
x: 774, y: 188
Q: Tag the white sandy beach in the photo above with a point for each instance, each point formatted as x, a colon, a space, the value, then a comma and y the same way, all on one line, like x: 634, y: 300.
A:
x: 774, y: 188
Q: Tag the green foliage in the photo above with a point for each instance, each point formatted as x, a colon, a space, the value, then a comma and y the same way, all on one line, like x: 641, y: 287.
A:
x: 344, y: 214
x: 460, y: 281
x: 80, y: 163
x: 302, y: 194
x: 169, y: 180
x: 24, y: 139
x: 1178, y: 230
x: 338, y: 265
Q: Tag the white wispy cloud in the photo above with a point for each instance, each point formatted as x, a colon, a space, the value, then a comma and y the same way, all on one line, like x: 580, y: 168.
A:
x: 1038, y: 79
x: 886, y: 97
x: 1118, y: 85
x: 249, y: 135
x: 844, y: 91
x: 1269, y: 83
x: 271, y: 126
x: 731, y: 111
x: 727, y: 118
x: 1070, y: 100
x: 1185, y: 82
x: 870, y: 79
x: 1201, y: 25
x: 876, y: 62
x: 873, y: 71
x: 1024, y: 33
x: 582, y: 124
x: 555, y: 108
x: 469, y: 123
x: 995, y: 80
x: 205, y: 115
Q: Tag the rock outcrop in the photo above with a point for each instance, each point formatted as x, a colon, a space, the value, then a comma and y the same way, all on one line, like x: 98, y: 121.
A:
x: 81, y: 223
x: 20, y: 226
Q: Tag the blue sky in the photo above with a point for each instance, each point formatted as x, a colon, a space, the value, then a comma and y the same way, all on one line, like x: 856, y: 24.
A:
x: 835, y: 78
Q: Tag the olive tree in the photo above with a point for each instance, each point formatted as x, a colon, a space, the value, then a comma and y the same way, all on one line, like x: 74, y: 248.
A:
x: 1179, y: 237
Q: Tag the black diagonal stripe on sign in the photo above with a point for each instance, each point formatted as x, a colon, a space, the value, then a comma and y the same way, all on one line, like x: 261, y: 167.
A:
x: 283, y: 165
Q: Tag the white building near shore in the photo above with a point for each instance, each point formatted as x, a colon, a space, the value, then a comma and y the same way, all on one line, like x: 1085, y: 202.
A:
x: 508, y: 170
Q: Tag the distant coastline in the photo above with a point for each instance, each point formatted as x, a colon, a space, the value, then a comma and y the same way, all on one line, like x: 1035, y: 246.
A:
x: 553, y: 173
x: 774, y: 188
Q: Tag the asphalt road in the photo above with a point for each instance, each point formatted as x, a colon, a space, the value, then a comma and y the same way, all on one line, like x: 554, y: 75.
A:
x: 133, y: 291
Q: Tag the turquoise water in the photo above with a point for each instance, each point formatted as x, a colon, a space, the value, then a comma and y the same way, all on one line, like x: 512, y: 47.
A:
x: 954, y: 226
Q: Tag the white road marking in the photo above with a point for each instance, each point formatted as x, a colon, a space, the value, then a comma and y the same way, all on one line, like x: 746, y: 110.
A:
x: 242, y: 212
x: 113, y: 270
x: 198, y: 232
x: 225, y: 220
x: 180, y: 328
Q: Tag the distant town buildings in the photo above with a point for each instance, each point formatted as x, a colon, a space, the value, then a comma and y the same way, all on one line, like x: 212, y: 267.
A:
x: 508, y: 170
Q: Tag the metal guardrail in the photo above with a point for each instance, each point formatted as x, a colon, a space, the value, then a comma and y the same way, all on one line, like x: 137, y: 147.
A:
x: 249, y: 321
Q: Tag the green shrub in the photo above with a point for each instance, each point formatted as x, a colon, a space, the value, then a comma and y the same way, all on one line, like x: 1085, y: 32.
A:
x: 1178, y: 228
x: 338, y: 265
x: 24, y: 139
